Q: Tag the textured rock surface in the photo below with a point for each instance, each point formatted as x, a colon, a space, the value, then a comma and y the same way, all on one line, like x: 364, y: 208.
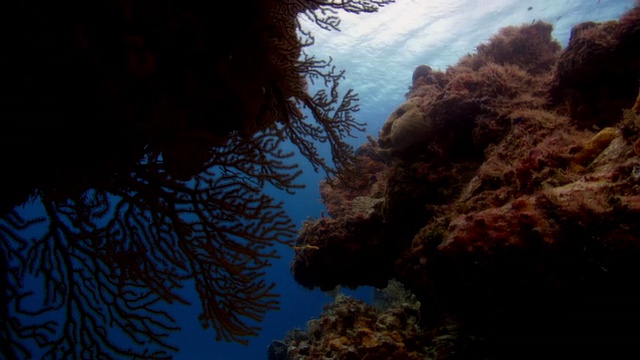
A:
x: 405, y: 127
x: 517, y: 223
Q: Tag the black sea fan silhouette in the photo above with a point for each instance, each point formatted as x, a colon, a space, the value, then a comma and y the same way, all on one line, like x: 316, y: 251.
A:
x: 144, y: 134
x: 108, y: 258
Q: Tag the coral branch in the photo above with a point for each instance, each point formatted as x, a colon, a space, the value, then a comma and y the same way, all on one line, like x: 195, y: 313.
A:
x: 191, y: 116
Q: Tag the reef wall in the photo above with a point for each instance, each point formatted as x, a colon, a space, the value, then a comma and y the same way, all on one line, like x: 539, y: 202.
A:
x: 513, y: 216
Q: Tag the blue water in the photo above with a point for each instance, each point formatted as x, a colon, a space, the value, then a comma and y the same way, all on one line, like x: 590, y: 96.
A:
x: 379, y: 53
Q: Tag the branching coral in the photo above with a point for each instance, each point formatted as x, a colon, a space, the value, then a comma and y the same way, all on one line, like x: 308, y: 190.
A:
x: 191, y: 113
x: 108, y: 258
x: 151, y: 75
x: 13, y: 330
x: 332, y: 113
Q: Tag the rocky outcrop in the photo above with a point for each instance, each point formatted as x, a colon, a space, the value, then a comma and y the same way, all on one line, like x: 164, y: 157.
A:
x: 511, y: 218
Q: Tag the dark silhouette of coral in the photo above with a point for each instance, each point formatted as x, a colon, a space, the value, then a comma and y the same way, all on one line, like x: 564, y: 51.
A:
x: 109, y: 257
x: 144, y: 134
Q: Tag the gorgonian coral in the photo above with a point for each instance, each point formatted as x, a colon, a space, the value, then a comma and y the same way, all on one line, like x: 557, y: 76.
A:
x: 152, y: 130
x: 108, y: 258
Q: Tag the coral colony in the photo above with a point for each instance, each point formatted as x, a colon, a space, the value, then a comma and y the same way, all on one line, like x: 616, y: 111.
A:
x: 142, y: 134
x: 505, y: 195
x: 496, y: 213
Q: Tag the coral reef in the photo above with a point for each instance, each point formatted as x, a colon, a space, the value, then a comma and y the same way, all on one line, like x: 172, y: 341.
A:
x: 387, y: 329
x: 592, y: 78
x: 277, y: 350
x: 514, y: 220
x: 348, y: 252
x: 350, y: 329
x: 366, y: 189
x: 405, y: 127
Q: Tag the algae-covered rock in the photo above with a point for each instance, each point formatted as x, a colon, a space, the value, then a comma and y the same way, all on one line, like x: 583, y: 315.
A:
x: 406, y: 126
x: 510, y: 215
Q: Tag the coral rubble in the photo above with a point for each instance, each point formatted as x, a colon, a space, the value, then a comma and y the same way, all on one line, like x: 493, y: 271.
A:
x: 514, y: 216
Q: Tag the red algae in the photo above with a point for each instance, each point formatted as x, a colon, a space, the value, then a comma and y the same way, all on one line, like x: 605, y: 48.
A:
x: 514, y: 219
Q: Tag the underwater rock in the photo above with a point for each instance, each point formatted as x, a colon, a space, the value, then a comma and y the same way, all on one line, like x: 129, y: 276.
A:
x: 529, y: 47
x: 364, y: 194
x: 349, y: 251
x: 423, y: 75
x: 597, y: 74
x: 277, y: 350
x: 351, y: 329
x: 513, y: 222
x: 595, y: 146
x: 405, y: 127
